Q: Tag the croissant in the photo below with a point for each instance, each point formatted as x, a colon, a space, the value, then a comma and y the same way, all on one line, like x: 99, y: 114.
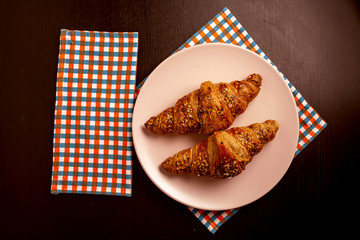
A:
x: 225, y: 153
x: 211, y: 108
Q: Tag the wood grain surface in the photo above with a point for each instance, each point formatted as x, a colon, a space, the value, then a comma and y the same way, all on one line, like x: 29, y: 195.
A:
x: 315, y: 44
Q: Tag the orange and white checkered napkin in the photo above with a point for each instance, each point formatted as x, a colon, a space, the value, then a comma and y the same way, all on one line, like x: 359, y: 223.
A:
x: 225, y: 28
x: 94, y: 101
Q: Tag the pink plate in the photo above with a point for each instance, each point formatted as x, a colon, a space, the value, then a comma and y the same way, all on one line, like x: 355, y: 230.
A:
x: 182, y: 73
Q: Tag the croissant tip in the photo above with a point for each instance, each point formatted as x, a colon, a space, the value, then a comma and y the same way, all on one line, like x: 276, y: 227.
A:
x: 273, y: 123
x: 256, y: 78
x: 150, y: 125
x: 165, y: 166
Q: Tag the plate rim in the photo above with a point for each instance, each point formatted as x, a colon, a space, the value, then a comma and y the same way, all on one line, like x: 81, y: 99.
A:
x: 274, y: 69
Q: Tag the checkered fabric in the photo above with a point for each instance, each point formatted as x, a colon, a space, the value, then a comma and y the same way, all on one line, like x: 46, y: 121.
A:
x: 225, y: 28
x: 212, y: 220
x: 92, y: 146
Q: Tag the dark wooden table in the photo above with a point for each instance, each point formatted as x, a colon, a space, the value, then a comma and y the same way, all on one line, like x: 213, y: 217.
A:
x: 316, y: 44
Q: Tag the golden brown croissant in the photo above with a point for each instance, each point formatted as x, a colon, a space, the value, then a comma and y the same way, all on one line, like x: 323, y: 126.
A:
x: 225, y: 153
x: 211, y: 108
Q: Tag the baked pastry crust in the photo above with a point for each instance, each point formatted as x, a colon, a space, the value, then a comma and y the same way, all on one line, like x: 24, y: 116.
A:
x: 225, y: 153
x: 211, y: 108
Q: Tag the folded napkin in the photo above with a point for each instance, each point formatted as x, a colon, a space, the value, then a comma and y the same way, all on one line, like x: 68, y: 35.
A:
x: 225, y: 28
x: 92, y: 146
